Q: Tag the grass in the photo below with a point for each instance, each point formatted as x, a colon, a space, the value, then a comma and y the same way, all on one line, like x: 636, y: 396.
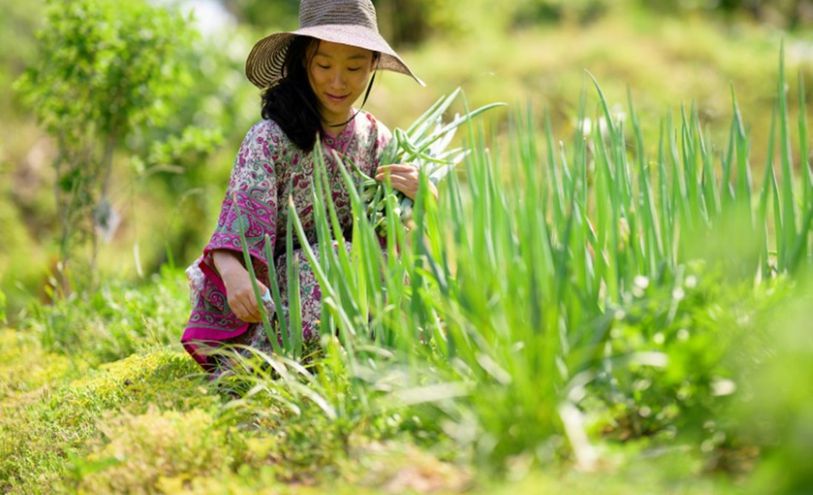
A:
x: 150, y: 423
x: 115, y: 321
x: 609, y: 313
x: 143, y: 424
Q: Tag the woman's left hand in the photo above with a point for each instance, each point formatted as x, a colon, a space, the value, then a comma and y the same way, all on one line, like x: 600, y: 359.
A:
x: 404, y: 177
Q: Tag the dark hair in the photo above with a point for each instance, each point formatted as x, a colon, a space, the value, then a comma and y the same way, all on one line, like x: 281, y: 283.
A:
x: 292, y: 103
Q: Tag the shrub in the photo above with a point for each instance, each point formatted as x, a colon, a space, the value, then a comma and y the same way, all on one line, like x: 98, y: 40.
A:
x: 105, y: 68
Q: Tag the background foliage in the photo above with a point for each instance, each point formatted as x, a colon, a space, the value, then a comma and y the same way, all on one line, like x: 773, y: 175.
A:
x: 181, y: 160
x: 693, y: 371
x: 105, y: 71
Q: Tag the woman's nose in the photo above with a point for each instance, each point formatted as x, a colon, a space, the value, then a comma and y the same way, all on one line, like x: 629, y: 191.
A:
x: 337, y: 79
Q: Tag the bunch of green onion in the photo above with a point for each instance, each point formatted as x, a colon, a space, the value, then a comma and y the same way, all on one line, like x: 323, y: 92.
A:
x: 424, y: 145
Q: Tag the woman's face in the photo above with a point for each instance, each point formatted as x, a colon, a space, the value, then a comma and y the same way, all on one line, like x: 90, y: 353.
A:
x: 338, y: 75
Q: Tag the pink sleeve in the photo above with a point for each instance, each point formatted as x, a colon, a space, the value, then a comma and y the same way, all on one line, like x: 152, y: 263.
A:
x: 249, y: 206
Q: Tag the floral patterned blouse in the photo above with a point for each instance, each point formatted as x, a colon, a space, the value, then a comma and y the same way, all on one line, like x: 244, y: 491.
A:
x: 269, y: 169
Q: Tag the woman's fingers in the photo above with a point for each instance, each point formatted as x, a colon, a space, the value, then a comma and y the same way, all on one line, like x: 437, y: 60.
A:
x: 253, y: 313
x: 254, y: 305
x: 399, y: 180
x: 404, y: 178
x: 242, y: 309
x: 243, y: 312
x: 245, y: 305
x: 240, y: 296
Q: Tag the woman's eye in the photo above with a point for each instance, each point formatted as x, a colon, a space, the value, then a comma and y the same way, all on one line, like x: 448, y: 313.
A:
x: 323, y: 66
x: 354, y: 69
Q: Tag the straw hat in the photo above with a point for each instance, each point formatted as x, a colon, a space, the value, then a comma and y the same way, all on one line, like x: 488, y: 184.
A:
x: 349, y: 22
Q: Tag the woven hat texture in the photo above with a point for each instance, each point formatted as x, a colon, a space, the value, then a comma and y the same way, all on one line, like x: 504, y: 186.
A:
x: 349, y: 22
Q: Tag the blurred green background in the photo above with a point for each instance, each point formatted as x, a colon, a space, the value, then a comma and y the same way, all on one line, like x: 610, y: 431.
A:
x: 168, y: 177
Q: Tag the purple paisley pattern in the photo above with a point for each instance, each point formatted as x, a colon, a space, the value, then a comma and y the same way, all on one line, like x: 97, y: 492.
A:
x: 268, y: 170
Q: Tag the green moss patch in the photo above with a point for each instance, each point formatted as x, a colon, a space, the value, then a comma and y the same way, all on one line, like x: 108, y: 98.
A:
x: 40, y: 438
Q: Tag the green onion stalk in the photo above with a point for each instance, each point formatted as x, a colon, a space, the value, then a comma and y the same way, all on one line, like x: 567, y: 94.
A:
x: 424, y: 144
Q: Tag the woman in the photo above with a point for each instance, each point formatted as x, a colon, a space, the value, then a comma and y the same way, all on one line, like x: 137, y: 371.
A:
x: 311, y: 77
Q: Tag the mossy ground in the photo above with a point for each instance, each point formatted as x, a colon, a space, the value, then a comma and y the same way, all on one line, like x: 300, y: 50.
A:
x: 151, y: 423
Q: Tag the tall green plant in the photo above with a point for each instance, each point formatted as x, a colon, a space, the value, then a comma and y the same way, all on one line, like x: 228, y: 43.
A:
x: 104, y: 69
x: 505, y: 301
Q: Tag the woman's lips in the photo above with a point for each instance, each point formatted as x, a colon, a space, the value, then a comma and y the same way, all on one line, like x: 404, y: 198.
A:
x: 336, y: 98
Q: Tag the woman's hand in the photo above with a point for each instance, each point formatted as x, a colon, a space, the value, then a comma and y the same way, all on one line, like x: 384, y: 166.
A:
x: 239, y: 290
x: 404, y: 178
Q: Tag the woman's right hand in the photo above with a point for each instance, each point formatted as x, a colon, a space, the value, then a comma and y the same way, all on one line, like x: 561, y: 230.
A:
x: 239, y: 291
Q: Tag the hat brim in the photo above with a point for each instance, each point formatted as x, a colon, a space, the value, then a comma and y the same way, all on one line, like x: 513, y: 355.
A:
x: 264, y: 65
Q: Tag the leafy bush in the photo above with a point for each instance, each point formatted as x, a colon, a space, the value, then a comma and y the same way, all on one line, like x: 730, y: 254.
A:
x: 105, y: 68
x: 19, y: 20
